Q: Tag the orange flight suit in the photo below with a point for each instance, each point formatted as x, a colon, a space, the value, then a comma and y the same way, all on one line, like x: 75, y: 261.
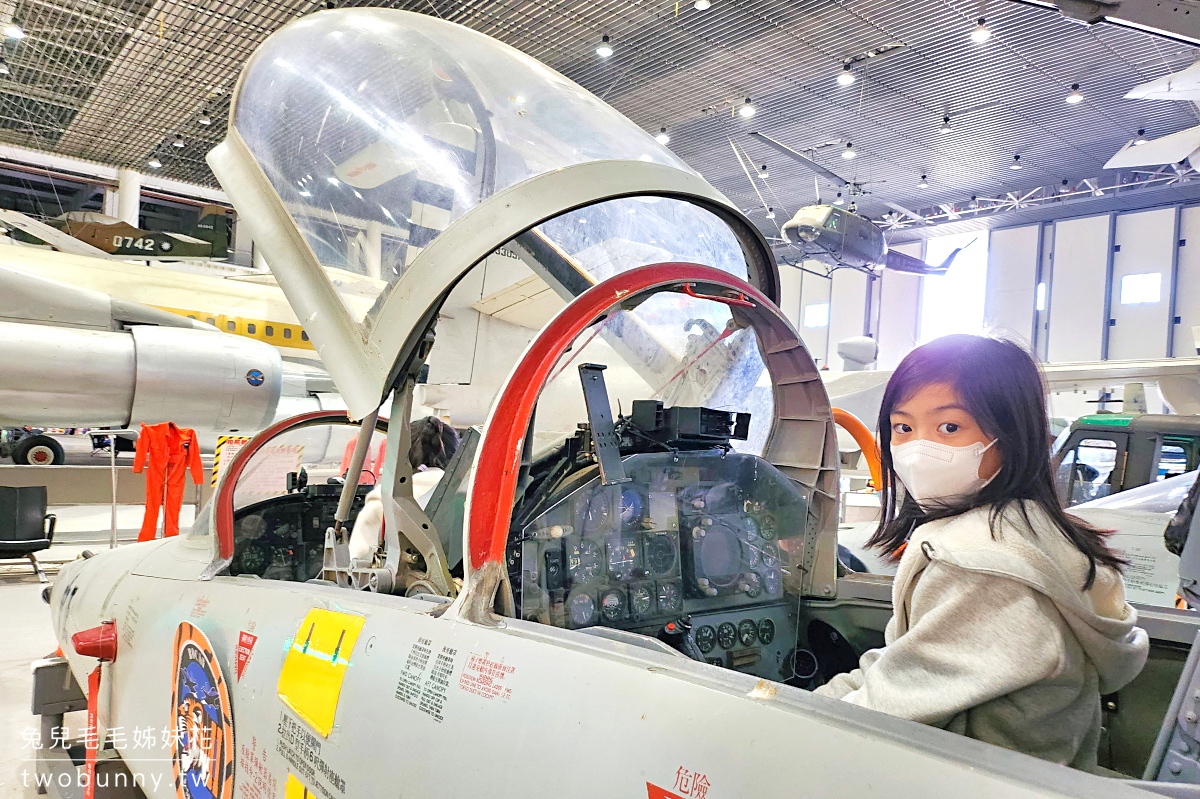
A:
x: 171, y: 452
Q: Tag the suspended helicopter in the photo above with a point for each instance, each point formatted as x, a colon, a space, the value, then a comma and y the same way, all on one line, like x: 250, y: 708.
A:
x: 841, y: 238
x: 629, y: 607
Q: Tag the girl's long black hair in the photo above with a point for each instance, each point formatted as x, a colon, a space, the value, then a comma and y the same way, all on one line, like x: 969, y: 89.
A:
x: 1001, y: 387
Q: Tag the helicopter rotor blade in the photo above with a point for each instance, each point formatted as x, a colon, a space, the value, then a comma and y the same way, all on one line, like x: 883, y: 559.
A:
x: 832, y: 177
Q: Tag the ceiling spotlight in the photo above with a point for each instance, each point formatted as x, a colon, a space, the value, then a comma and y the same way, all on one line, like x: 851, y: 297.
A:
x: 849, y: 152
x: 204, y: 119
x: 923, y: 183
x: 1141, y: 137
x: 770, y: 213
x: 702, y: 5
x: 1076, y: 96
x: 662, y: 137
x: 604, y: 49
x: 981, y: 34
x: 332, y: 181
x: 1016, y: 162
x: 846, y: 76
x: 1063, y: 189
x: 154, y: 163
x: 178, y: 142
x: 838, y: 200
x: 747, y: 110
x: 945, y: 128
x: 14, y: 31
x: 3, y: 66
x: 763, y: 173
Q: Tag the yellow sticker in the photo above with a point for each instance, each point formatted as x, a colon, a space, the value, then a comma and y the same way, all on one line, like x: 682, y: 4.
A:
x: 311, y: 680
x: 294, y: 789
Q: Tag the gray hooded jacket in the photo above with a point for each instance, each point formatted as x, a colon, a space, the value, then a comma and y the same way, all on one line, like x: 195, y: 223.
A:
x: 994, y: 638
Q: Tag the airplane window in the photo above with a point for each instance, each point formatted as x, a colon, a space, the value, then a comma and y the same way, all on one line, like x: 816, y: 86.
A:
x: 287, y: 332
x: 834, y: 221
x: 1172, y: 461
x: 251, y: 328
x: 231, y: 326
x: 303, y: 336
x: 211, y: 321
x: 190, y: 316
x: 270, y: 331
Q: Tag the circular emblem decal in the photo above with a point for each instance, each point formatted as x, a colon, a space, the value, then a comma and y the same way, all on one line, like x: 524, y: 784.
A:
x: 165, y: 246
x: 255, y: 377
x: 202, y: 741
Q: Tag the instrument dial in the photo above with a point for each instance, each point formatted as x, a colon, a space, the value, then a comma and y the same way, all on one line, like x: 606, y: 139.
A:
x: 612, y: 605
x: 753, y: 585
x: 622, y: 557
x: 597, y: 512
x: 771, y: 582
x: 766, y: 631
x: 632, y: 508
x: 641, y: 599
x: 747, y: 632
x: 585, y: 560
x: 706, y: 639
x: 770, y: 557
x: 727, y: 635
x: 660, y: 554
x: 750, y: 525
x: 670, y: 599
x: 583, y: 610
x: 767, y: 527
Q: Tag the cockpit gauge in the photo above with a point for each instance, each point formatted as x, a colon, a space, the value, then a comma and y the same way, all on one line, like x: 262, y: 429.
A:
x: 623, y: 557
x: 770, y: 557
x: 670, y: 598
x: 767, y: 527
x: 706, y: 638
x: 612, y: 605
x: 585, y: 560
x: 726, y: 635
x: 766, y: 631
x: 771, y: 582
x: 751, y: 527
x: 752, y: 585
x: 660, y: 554
x: 641, y: 600
x: 632, y: 508
x: 253, y: 559
x: 582, y: 609
x: 747, y: 632
x: 597, y: 511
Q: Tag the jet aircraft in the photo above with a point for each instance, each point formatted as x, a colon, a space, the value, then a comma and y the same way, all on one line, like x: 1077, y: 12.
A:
x: 633, y: 606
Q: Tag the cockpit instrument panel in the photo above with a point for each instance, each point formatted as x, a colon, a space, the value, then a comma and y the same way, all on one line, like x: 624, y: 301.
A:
x: 690, y: 535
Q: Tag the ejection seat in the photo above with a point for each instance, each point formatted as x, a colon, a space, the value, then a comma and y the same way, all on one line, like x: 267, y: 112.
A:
x: 25, y: 527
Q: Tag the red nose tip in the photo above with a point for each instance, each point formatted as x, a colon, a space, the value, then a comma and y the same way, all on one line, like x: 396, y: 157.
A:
x: 97, y: 642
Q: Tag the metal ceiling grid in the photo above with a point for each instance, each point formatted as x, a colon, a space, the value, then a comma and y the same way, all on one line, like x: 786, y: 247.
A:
x: 116, y: 81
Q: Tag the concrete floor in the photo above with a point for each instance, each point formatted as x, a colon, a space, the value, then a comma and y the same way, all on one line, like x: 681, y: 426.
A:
x: 26, y: 636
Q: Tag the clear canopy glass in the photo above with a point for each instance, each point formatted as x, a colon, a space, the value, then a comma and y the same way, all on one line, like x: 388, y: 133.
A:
x: 379, y: 128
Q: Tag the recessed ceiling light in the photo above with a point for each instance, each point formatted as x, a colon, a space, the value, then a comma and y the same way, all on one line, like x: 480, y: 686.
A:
x: 1141, y: 137
x: 747, y: 110
x: 981, y: 33
x: 838, y: 200
x: 846, y: 77
x: 763, y: 173
x: 332, y: 181
x: 945, y: 128
x: 1016, y: 162
x: 14, y: 31
x: 662, y: 137
x: 923, y: 183
x: 204, y: 119
x: 849, y: 152
x: 178, y: 140
x: 770, y: 213
x: 702, y: 5
x: 154, y: 163
x: 3, y: 66
x: 604, y: 49
x: 1075, y: 97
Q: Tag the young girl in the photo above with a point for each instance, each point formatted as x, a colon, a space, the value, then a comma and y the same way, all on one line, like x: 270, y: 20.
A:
x: 1010, y: 618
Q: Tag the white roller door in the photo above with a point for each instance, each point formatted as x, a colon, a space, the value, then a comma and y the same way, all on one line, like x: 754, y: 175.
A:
x: 1187, y: 289
x: 1011, y: 294
x: 1077, y: 316
x: 1141, y: 285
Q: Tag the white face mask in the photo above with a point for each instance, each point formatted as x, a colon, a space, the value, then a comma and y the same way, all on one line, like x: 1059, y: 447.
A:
x: 935, y: 473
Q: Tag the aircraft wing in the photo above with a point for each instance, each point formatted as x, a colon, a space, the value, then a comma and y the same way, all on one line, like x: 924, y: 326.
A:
x: 1182, y: 85
x: 1165, y: 150
x: 56, y: 238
